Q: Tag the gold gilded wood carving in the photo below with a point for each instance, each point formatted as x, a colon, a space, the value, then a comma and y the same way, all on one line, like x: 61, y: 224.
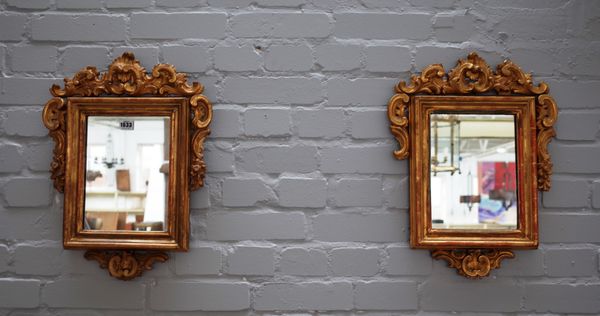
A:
x: 125, y: 265
x: 473, y: 263
x: 126, y: 77
x: 470, y: 76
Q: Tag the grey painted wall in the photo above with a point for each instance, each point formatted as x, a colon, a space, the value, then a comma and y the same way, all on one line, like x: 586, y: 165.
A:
x: 305, y: 211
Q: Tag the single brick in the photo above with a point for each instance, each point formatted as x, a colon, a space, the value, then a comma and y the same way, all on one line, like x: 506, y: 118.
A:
x: 442, y: 4
x: 322, y: 296
x: 27, y: 192
x: 386, y: 3
x: 280, y: 25
x: 355, y: 261
x: 12, y: 26
x: 583, y: 61
x: 25, y: 122
x: 453, y: 27
x: 567, y: 193
x: 225, y: 123
x: 84, y: 28
x: 267, y: 122
x: 359, y: 92
x: 364, y: 160
x: 562, y: 298
x: 337, y: 57
x: 4, y: 258
x: 573, y: 228
x: 29, y: 4
x: 382, y: 26
x: 322, y: 123
x: 251, y: 261
x: 575, y: 158
x: 385, y: 295
x: 578, y: 125
x: 218, y: 157
x: 237, y: 58
x: 200, y: 198
x: 407, y: 261
x: 370, y: 124
x: 121, y: 4
x: 574, y: 94
x: 283, y: 90
x: 303, y: 262
x: 27, y: 91
x: 245, y: 192
x: 200, y: 296
x: 255, y: 226
x: 199, y: 261
x: 34, y: 58
x: 178, y: 25
x: 289, y: 58
x: 17, y: 293
x: 79, y: 4
x: 549, y: 28
x: 27, y: 259
x: 41, y: 224
x: 388, y: 59
x: 596, y: 194
x: 525, y: 263
x: 93, y: 293
x: 232, y: 4
x: 302, y: 192
x: 281, y: 3
x: 444, y: 295
x: 10, y: 158
x: 180, y: 3
x: 277, y: 159
x: 571, y: 262
x: 385, y: 227
x: 356, y: 192
x: 187, y: 58
x: 148, y: 56
x: 395, y: 192
x: 74, y: 58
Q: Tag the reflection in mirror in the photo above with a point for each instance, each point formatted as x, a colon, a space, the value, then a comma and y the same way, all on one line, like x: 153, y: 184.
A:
x: 473, y: 171
x: 127, y: 168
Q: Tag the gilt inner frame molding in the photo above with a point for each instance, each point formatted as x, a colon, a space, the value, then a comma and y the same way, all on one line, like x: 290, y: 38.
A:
x: 472, y: 81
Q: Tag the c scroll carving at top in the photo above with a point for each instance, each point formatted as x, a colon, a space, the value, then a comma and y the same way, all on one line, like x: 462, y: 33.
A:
x: 473, y: 76
x: 126, y: 77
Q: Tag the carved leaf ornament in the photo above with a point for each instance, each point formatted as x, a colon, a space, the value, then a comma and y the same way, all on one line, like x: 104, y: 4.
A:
x: 126, y: 77
x: 471, y: 76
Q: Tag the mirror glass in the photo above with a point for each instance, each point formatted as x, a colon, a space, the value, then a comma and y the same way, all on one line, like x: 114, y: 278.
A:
x: 127, y: 169
x: 473, y: 171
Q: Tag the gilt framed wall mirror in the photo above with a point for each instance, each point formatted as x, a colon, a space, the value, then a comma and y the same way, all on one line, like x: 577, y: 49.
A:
x: 128, y: 149
x: 477, y: 143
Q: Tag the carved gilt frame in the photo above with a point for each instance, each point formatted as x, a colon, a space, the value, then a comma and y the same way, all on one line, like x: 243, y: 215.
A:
x: 126, y: 89
x: 473, y: 87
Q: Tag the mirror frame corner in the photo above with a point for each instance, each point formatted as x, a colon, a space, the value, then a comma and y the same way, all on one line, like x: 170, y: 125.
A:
x: 472, y: 87
x: 127, y: 89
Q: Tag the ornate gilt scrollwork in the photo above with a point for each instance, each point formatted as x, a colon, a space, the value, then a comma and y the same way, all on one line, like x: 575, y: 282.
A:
x: 473, y: 263
x: 125, y: 265
x: 54, y: 117
x: 473, y: 75
x: 126, y: 77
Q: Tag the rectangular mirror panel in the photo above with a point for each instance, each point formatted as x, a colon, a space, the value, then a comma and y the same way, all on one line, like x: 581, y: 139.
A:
x: 127, y: 170
x: 473, y: 172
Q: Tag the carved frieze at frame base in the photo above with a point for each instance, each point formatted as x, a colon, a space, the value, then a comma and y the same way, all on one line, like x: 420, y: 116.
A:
x: 126, y: 265
x: 473, y: 263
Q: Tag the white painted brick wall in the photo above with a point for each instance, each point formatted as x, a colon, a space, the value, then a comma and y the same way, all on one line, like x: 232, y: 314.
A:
x: 305, y: 211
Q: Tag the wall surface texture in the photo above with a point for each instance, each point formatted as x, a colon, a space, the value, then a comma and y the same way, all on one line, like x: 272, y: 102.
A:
x: 305, y: 211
